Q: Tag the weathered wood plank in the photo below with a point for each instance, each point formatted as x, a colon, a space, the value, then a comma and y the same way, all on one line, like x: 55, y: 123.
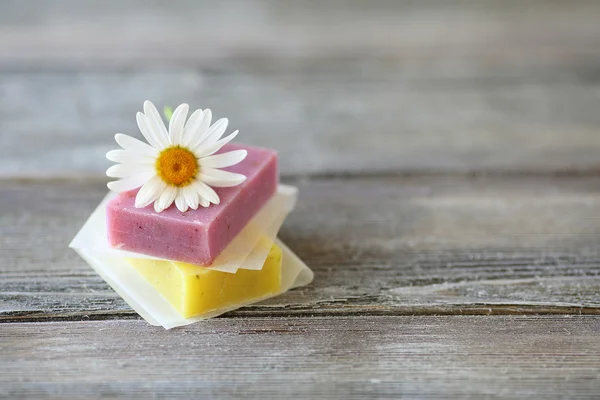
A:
x: 450, y: 38
x: 62, y: 124
x: 489, y: 245
x: 345, y: 357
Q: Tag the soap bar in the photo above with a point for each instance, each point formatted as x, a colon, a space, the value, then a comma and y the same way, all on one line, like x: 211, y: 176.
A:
x: 194, y: 290
x: 195, y: 236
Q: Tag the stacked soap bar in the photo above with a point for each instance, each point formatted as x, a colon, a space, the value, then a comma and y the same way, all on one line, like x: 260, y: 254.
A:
x: 195, y: 236
x: 194, y: 290
x: 188, y: 242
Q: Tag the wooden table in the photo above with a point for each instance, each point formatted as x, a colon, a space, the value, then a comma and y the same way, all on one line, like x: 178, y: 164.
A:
x: 448, y: 159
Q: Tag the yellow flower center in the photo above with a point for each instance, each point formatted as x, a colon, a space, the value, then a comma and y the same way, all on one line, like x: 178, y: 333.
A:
x: 177, y: 166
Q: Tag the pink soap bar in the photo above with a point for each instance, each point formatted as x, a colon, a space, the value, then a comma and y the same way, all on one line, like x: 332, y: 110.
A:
x: 195, y: 236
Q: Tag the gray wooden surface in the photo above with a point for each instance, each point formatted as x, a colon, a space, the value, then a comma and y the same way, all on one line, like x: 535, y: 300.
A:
x: 349, y: 357
x: 448, y: 159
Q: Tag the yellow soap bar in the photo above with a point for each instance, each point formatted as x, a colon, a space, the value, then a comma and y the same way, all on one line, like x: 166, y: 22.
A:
x: 194, y: 290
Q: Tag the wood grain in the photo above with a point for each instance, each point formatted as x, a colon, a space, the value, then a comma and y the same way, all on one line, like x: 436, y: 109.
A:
x: 457, y: 245
x: 447, y: 157
x: 448, y: 38
x: 337, y: 87
x: 56, y: 124
x: 344, y: 357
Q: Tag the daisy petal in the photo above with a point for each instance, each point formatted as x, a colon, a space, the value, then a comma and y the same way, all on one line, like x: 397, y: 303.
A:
x: 155, y: 138
x: 216, y: 131
x: 203, y: 151
x: 166, y: 199
x: 156, y: 123
x: 204, y: 202
x: 201, y: 130
x: 191, y: 196
x: 176, y: 124
x: 136, y: 146
x: 223, y: 160
x: 192, y: 124
x: 128, y: 157
x: 149, y: 192
x: 130, y: 183
x: 157, y: 201
x: 126, y: 170
x: 206, y: 192
x: 119, y: 156
x: 218, y: 178
x: 180, y: 202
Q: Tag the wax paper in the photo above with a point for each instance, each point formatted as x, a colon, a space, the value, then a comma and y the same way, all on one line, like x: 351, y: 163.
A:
x: 154, y: 308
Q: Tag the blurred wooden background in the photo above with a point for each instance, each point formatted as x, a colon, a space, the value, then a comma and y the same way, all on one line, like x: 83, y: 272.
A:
x: 448, y: 159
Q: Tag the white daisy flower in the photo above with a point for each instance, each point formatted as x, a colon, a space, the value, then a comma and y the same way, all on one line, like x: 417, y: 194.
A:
x: 176, y: 166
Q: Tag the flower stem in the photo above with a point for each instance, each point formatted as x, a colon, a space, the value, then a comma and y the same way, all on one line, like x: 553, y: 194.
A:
x: 168, y: 112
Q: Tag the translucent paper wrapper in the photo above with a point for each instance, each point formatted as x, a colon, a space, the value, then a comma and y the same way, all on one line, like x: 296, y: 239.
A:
x: 246, y: 251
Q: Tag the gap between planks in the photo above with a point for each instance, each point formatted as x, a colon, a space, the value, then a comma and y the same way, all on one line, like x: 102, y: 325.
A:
x: 473, y: 310
x: 292, y: 178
